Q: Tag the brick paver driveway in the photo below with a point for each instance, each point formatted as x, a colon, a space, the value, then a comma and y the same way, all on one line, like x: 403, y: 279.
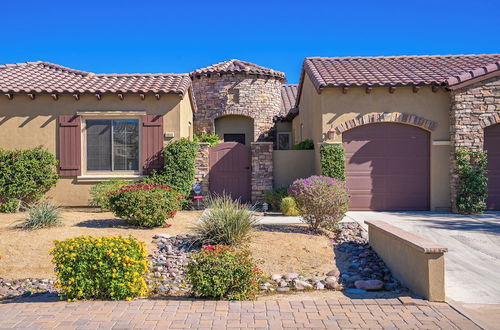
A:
x: 332, y: 314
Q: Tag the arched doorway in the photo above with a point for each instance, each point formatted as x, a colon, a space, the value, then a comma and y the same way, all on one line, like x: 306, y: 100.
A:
x: 492, y: 146
x: 235, y: 128
x: 388, y: 167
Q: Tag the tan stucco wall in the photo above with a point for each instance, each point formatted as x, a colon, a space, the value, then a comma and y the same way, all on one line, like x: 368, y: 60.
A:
x: 332, y: 107
x: 26, y: 123
x: 235, y: 124
x: 289, y: 165
x: 423, y: 273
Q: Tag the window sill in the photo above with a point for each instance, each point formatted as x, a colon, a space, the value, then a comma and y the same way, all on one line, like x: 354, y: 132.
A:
x: 101, y: 178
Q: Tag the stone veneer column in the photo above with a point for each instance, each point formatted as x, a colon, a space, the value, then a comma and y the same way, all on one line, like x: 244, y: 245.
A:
x: 472, y: 109
x: 203, y: 167
x: 262, y: 169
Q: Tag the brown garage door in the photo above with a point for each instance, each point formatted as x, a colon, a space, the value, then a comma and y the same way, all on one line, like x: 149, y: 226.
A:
x: 492, y: 146
x: 387, y: 167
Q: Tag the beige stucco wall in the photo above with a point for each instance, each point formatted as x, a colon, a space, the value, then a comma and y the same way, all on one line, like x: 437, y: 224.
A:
x: 26, y: 123
x: 235, y: 124
x: 423, y: 273
x: 321, y: 113
x: 289, y: 165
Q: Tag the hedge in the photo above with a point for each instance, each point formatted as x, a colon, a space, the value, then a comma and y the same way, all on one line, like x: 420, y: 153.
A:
x: 333, y: 161
x: 472, y: 190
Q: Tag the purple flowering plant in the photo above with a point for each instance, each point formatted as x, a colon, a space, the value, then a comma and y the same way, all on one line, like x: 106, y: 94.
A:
x: 322, y: 201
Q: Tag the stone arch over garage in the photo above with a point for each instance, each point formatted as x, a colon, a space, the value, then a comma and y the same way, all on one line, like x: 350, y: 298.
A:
x: 383, y: 117
x: 490, y: 120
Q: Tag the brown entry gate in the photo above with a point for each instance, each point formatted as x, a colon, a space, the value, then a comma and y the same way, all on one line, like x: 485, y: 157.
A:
x: 230, y: 170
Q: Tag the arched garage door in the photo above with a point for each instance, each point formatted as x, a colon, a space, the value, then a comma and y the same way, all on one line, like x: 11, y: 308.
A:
x: 387, y: 167
x: 492, y: 146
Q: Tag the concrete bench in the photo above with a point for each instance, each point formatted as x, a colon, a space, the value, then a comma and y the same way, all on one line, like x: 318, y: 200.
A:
x: 416, y: 262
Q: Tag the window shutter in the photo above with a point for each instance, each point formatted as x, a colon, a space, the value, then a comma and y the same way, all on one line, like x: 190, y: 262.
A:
x: 152, y: 143
x: 70, y: 147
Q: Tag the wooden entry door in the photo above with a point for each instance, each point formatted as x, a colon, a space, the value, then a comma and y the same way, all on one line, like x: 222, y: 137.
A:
x: 230, y: 170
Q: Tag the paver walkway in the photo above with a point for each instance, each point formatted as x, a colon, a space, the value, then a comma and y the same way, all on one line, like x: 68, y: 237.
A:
x: 332, y: 314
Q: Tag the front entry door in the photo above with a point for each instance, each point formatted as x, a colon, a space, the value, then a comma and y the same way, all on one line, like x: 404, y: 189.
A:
x: 230, y: 170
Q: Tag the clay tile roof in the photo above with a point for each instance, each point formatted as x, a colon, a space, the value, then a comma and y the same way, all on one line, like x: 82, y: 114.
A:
x: 44, y: 77
x: 397, y: 71
x: 288, y: 98
x: 237, y: 66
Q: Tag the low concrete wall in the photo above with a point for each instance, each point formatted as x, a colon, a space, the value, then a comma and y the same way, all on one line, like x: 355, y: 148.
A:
x: 289, y: 165
x: 415, y: 261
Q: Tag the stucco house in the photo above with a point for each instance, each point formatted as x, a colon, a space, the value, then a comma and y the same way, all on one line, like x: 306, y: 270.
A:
x: 398, y: 118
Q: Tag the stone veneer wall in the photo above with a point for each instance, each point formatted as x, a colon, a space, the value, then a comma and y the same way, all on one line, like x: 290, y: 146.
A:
x: 254, y: 96
x: 202, y: 168
x: 262, y: 169
x: 472, y: 109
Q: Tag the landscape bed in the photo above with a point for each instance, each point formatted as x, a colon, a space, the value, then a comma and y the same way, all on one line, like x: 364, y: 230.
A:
x: 291, y: 257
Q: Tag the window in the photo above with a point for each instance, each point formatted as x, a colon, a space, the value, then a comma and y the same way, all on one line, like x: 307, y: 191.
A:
x: 112, y: 144
x: 284, y: 141
x: 240, y: 138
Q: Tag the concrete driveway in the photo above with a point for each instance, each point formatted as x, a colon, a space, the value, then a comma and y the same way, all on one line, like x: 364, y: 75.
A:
x: 473, y: 259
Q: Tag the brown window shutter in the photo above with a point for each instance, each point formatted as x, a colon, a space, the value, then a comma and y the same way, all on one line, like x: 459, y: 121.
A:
x: 152, y: 143
x: 70, y: 146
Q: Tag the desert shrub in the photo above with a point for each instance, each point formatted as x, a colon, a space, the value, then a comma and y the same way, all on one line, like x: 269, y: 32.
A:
x: 307, y: 144
x: 179, y: 169
x: 273, y: 197
x: 223, y: 273
x: 225, y: 222
x: 100, y: 267
x: 42, y: 215
x: 333, y: 161
x: 288, y: 207
x: 145, y: 205
x: 25, y: 175
x: 472, y: 189
x: 212, y: 139
x: 321, y: 201
x: 100, y: 193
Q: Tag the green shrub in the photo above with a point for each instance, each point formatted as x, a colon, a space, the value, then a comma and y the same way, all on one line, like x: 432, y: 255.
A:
x: 25, y: 175
x: 42, y: 215
x: 100, y: 192
x: 212, y: 139
x: 180, y: 165
x: 100, y: 267
x: 322, y: 201
x: 223, y: 273
x: 145, y: 205
x: 226, y: 222
x: 307, y: 144
x: 472, y: 189
x: 10, y: 205
x: 273, y: 197
x: 333, y: 161
x: 289, y: 207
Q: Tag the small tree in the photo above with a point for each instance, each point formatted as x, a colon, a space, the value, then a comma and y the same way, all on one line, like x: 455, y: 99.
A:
x: 25, y: 175
x: 180, y: 166
x: 472, y: 190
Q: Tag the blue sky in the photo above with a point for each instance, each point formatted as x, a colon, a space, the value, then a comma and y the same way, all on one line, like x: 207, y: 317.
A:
x: 180, y: 36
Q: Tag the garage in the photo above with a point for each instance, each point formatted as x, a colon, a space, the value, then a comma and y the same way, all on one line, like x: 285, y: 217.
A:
x: 388, y: 167
x: 492, y: 146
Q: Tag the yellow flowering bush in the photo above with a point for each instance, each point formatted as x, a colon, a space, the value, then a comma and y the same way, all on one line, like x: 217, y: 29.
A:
x: 100, y: 267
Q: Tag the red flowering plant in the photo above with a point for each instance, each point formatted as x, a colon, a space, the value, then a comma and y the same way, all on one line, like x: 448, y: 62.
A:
x: 146, y: 205
x: 221, y: 272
